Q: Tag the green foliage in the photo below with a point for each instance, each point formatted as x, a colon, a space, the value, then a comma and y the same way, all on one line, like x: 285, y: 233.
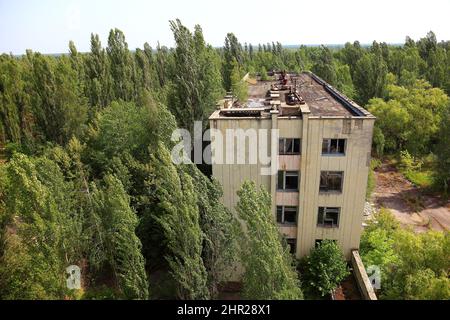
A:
x: 239, y: 86
x: 96, y: 123
x: 196, y: 83
x: 42, y: 232
x: 324, y: 66
x: 58, y: 105
x: 370, y: 77
x: 121, y: 245
x: 178, y: 216
x: 122, y: 127
x: 269, y: 270
x: 413, y: 266
x: 232, y: 59
x: 324, y: 268
x: 371, y: 180
x: 425, y: 285
x: 219, y: 226
x: 121, y: 65
x: 442, y: 179
x: 410, y: 118
x: 408, y: 162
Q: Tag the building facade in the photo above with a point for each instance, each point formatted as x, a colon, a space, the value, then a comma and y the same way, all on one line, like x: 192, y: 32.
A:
x: 322, y: 154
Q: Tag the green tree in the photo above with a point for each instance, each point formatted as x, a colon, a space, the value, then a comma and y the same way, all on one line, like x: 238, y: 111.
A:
x: 239, y: 86
x: 196, y: 83
x: 410, y: 118
x: 443, y: 154
x: 425, y: 285
x: 370, y: 77
x: 177, y: 213
x: 219, y: 226
x: 324, y: 66
x: 42, y: 230
x: 98, y: 77
x: 58, y: 104
x: 269, y: 272
x: 122, y: 246
x: 413, y: 266
x: 324, y: 268
x: 121, y: 64
x: 15, y: 108
x: 232, y: 54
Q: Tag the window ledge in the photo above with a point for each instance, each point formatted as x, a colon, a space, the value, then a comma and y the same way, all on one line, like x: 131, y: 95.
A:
x: 327, y: 227
x: 341, y: 155
x: 330, y: 192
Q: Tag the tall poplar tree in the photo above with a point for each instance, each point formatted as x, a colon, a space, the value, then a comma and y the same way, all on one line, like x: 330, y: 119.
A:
x: 269, y: 271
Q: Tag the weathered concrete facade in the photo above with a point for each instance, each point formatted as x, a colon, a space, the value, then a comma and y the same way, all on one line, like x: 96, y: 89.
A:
x: 323, y: 119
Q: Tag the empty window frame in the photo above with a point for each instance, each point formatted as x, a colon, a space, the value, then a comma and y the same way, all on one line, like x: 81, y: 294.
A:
x: 289, y: 146
x: 287, y: 215
x: 328, y: 217
x: 331, y: 181
x: 288, y: 180
x: 333, y: 147
x: 292, y: 243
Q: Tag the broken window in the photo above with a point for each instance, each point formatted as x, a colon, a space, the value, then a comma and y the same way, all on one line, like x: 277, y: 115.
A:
x: 328, y: 217
x: 288, y: 180
x: 286, y: 215
x: 333, y: 147
x: 289, y: 146
x: 292, y: 245
x: 331, y: 181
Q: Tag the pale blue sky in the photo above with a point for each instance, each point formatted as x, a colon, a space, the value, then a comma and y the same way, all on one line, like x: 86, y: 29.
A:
x: 48, y: 25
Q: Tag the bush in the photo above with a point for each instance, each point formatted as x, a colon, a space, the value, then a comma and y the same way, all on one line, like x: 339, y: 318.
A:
x: 408, y: 163
x: 324, y: 269
x: 413, y: 266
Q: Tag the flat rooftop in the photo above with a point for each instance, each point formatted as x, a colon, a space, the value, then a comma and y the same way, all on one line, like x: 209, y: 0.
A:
x: 292, y: 94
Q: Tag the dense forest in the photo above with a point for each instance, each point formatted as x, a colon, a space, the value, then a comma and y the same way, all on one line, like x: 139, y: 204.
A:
x: 86, y: 176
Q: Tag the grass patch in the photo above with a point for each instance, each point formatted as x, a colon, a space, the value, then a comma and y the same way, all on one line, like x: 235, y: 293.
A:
x: 421, y: 179
x: 371, y: 181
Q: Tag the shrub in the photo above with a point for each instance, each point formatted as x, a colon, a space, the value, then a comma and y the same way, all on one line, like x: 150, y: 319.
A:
x: 324, y: 269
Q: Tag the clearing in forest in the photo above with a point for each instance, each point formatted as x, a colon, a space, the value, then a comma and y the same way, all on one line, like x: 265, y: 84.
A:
x: 407, y: 203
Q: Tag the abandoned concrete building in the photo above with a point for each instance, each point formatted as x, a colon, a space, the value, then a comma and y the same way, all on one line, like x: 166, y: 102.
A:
x: 322, y: 151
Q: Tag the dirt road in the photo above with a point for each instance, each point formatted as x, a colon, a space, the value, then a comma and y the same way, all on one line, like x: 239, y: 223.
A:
x: 407, y: 203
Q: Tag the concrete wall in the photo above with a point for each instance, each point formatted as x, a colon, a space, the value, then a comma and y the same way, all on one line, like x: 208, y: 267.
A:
x: 232, y: 176
x: 355, y: 165
x: 363, y: 281
x: 312, y: 130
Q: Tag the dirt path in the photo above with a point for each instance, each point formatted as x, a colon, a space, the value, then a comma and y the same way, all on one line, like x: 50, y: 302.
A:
x: 405, y: 201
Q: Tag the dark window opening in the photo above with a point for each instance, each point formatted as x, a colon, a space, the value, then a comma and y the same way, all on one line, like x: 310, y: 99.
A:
x: 288, y: 180
x: 286, y: 215
x: 328, y: 217
x: 333, y: 147
x: 331, y: 181
x: 292, y: 245
x: 289, y: 146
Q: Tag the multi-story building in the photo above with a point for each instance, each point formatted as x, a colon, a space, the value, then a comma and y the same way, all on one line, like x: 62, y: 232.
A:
x: 322, y: 152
